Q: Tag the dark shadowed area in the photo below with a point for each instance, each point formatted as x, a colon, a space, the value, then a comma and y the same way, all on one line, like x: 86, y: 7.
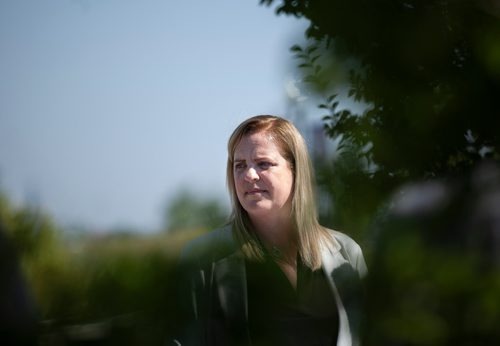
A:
x: 414, y: 174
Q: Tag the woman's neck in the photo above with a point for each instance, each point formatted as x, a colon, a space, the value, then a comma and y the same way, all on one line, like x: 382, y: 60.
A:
x: 280, y: 240
x: 277, y: 235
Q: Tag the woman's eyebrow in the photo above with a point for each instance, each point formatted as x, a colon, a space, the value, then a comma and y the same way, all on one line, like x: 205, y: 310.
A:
x: 264, y: 157
x: 256, y: 158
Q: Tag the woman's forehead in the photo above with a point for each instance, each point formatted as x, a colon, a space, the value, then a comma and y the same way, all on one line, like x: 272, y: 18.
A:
x: 257, y: 143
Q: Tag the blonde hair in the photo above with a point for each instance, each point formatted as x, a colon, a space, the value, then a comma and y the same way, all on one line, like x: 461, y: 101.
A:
x: 310, y: 234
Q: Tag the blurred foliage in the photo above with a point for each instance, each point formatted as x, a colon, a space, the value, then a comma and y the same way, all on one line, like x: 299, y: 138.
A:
x: 95, y: 289
x: 187, y: 211
x: 429, y: 75
x: 435, y: 275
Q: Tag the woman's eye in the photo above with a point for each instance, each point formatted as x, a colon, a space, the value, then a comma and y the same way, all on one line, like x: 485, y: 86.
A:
x: 239, y: 166
x: 264, y: 164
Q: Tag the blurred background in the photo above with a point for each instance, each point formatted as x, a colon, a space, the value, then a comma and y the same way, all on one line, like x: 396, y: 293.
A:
x: 114, y: 118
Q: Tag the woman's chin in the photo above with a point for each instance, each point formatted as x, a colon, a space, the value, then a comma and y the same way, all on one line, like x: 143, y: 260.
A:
x: 258, y: 208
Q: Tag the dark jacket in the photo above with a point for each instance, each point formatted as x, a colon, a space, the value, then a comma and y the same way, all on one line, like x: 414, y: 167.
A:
x: 215, y: 289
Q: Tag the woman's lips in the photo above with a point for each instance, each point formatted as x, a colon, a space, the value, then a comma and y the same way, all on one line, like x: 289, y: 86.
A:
x: 255, y: 191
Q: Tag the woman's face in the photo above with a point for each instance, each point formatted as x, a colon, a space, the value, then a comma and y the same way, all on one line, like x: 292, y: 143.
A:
x: 262, y: 177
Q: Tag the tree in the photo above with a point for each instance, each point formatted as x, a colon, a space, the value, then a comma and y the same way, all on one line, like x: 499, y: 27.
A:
x: 185, y: 211
x: 429, y: 72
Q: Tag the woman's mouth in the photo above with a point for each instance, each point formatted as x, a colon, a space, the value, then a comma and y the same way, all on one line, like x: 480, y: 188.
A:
x: 255, y: 192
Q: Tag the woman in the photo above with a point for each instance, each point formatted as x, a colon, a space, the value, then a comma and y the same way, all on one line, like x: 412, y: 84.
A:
x: 273, y: 275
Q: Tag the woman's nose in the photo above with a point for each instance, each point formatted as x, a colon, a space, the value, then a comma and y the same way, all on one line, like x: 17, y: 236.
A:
x: 251, y: 175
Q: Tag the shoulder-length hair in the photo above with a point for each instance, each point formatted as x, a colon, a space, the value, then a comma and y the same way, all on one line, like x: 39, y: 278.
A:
x: 310, y: 235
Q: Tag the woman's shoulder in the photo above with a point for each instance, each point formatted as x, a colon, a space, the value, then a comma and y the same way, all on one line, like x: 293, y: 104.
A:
x: 343, y: 239
x: 212, y: 245
x: 350, y: 249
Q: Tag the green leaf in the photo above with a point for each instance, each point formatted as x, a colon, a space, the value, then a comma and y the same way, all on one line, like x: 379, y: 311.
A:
x: 331, y: 98
x: 311, y: 49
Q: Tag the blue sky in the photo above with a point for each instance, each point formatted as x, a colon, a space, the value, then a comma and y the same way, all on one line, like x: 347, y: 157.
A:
x: 108, y: 107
